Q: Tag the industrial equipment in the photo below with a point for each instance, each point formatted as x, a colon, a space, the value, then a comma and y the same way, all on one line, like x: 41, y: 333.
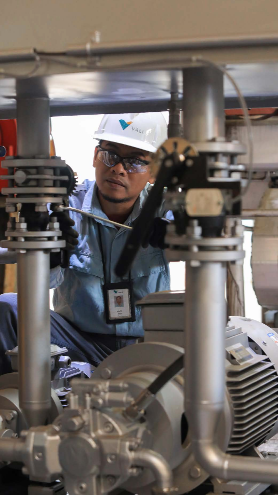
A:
x: 191, y: 409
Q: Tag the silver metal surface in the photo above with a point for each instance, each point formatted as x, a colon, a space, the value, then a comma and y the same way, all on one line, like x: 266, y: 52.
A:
x: 34, y: 335
x: 203, y: 104
x: 154, y: 357
x: 33, y: 125
x: 204, y: 384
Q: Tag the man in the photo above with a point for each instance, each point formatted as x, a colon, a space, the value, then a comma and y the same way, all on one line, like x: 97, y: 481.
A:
x: 86, y: 319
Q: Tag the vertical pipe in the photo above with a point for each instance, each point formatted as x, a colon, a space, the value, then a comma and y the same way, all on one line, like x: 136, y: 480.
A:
x: 34, y: 335
x: 33, y: 281
x: 33, y: 127
x: 205, y: 317
x: 203, y: 104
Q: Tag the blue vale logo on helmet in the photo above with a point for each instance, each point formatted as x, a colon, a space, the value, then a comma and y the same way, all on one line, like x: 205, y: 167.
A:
x: 124, y: 124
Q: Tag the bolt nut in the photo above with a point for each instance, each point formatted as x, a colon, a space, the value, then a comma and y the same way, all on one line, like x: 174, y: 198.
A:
x: 108, y: 427
x: 9, y: 416
x: 133, y: 445
x: 189, y: 162
x: 75, y: 423
x: 106, y: 373
x: 195, y: 472
x: 82, y: 487
x: 168, y: 163
x: 111, y: 479
x: 54, y: 225
x: 111, y: 458
x: 39, y: 456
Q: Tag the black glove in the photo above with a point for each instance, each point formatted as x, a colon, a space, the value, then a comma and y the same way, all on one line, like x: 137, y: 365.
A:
x: 68, y: 234
x: 156, y: 234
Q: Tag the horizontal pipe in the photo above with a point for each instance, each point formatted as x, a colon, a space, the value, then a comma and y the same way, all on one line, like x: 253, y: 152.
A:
x: 229, y: 467
x: 146, y: 46
x: 11, y: 449
x: 157, y: 464
x: 19, y: 56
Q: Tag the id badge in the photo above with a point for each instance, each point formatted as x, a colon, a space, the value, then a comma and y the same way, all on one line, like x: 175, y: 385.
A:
x: 119, y: 302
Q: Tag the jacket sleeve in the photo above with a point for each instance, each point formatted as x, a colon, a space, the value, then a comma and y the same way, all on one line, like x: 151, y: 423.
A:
x: 7, y: 257
x: 56, y: 277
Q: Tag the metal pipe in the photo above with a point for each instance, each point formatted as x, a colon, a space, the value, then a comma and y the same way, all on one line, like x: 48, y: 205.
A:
x: 205, y: 377
x: 94, y: 48
x: 34, y: 335
x: 158, y: 465
x: 203, y: 104
x: 11, y: 449
x: 33, y: 278
x: 33, y: 124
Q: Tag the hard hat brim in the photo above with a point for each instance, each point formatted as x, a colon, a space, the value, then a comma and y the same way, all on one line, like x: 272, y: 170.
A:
x: 140, y: 145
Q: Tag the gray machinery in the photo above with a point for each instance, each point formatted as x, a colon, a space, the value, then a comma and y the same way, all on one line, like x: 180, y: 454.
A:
x: 141, y: 424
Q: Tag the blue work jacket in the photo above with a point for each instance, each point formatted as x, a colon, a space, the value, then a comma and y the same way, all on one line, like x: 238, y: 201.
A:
x: 78, y: 294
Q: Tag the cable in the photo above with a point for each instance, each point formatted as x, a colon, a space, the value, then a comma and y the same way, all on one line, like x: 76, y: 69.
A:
x: 91, y: 215
x: 166, y: 376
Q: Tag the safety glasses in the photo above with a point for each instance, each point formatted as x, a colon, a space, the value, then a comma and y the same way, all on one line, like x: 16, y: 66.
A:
x: 130, y: 164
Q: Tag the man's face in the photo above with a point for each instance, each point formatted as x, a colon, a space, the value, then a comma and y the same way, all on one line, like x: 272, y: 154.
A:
x: 115, y: 184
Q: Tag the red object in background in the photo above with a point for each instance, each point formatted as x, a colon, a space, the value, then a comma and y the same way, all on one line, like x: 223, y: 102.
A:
x: 7, y: 139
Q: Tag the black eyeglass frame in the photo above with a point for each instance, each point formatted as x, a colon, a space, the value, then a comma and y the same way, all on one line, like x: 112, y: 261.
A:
x: 134, y: 168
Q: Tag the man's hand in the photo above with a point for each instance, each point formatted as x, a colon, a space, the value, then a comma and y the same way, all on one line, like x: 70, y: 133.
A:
x: 155, y: 236
x: 68, y: 234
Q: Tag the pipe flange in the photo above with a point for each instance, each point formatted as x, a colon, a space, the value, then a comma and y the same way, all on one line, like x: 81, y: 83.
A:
x: 34, y: 190
x: 35, y: 234
x: 38, y: 200
x: 203, y: 256
x: 41, y: 245
x: 226, y: 147
x: 54, y: 162
x: 175, y: 240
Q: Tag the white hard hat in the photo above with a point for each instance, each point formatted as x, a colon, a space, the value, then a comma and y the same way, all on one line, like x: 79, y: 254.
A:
x: 145, y: 131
